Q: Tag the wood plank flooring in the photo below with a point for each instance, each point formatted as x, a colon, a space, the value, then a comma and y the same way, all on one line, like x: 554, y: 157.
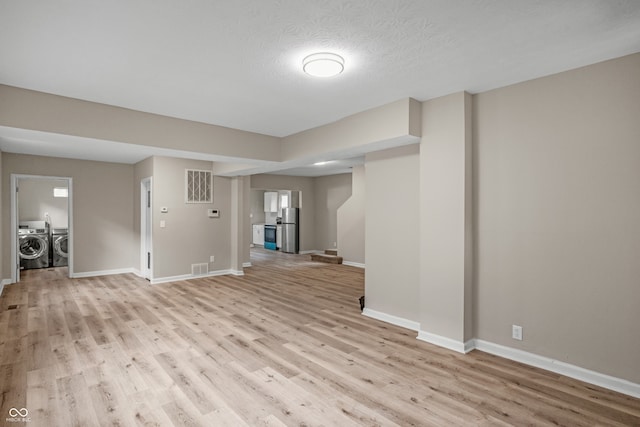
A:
x: 283, y: 345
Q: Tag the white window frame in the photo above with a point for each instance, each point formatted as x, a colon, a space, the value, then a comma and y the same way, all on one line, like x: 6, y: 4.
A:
x: 60, y: 192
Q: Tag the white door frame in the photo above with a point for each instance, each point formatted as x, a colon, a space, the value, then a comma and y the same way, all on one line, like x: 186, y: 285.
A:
x: 146, y: 228
x: 15, y: 178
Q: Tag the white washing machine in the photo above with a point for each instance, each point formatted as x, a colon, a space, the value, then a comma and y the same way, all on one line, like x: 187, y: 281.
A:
x: 59, y: 243
x: 33, y: 244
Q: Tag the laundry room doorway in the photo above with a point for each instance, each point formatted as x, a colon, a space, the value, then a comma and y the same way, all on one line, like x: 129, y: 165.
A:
x: 41, y: 223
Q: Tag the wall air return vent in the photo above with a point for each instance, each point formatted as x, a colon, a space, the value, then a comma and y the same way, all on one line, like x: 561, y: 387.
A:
x: 198, y: 186
x: 199, y: 269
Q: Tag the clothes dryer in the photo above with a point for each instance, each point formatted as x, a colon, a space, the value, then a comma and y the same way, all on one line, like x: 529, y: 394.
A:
x: 33, y: 245
x: 59, y: 243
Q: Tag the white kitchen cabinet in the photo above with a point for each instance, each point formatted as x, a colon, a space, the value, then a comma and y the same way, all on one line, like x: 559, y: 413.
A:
x: 271, y: 201
x: 258, y: 234
x: 284, y: 197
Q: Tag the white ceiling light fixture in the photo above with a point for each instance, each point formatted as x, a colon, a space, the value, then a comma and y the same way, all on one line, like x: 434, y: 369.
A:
x: 323, y: 64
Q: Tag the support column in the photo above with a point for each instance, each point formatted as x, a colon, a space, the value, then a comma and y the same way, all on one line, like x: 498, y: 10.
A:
x: 237, y: 224
x: 446, y: 223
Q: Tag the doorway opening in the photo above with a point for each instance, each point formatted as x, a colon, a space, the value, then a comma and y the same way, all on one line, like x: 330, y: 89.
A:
x: 41, y: 223
x: 146, y: 222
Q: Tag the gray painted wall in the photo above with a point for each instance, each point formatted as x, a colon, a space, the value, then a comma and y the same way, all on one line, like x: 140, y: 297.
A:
x: 102, y: 208
x: 330, y: 193
x: 557, y: 216
x: 445, y: 219
x: 392, y: 243
x: 36, y: 199
x: 189, y: 236
x: 351, y: 220
x: 257, y: 206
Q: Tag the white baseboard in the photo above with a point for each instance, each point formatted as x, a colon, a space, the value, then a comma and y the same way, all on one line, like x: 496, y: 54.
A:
x: 394, y: 320
x: 75, y: 275
x: 191, y: 276
x: 173, y: 278
x: 353, y: 264
x: 448, y: 343
x: 246, y: 264
x: 566, y: 369
x: 592, y: 377
x: 310, y: 252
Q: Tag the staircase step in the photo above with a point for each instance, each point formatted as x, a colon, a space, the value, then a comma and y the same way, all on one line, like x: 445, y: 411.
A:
x: 331, y: 252
x: 331, y: 259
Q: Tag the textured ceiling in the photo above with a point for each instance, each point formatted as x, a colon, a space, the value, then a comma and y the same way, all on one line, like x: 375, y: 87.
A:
x: 238, y: 63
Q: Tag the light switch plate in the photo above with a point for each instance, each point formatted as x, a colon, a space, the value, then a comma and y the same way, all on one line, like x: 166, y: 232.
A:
x: 516, y: 332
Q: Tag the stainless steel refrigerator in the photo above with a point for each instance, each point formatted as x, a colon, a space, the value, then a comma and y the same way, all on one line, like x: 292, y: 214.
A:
x: 290, y: 230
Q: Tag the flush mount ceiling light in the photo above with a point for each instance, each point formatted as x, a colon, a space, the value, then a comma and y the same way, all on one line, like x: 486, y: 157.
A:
x: 323, y: 64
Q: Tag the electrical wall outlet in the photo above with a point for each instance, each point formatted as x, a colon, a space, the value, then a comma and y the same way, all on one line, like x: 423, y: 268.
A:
x: 212, y: 258
x: 516, y: 332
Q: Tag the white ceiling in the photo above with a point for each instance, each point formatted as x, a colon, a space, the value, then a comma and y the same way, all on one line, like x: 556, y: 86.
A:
x: 238, y: 63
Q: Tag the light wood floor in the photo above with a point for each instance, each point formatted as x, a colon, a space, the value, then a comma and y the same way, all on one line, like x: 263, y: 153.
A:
x: 283, y: 345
